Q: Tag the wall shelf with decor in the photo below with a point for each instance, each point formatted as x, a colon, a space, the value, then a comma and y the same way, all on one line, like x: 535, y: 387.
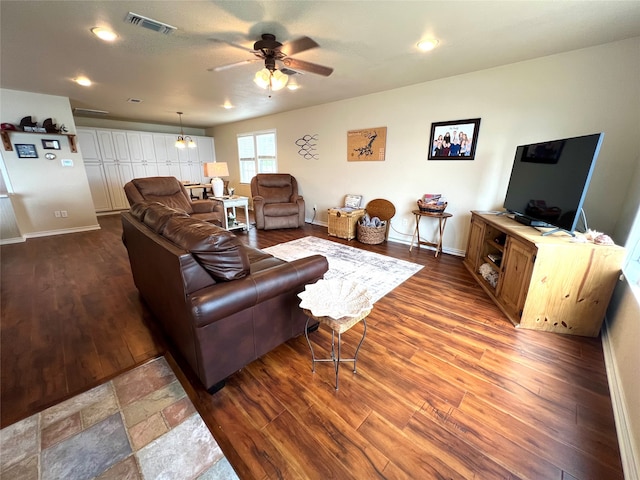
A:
x: 8, y: 147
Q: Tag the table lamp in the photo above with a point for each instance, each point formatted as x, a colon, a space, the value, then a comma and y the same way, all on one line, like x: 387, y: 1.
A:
x: 216, y: 170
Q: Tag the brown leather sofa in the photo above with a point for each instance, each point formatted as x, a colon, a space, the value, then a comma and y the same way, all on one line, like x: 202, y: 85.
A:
x: 221, y: 303
x: 169, y: 191
x: 276, y: 203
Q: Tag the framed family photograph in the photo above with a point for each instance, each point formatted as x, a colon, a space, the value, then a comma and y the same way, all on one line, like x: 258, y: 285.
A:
x: 454, y: 140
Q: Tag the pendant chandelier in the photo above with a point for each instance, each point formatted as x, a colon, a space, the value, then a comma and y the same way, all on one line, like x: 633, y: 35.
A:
x: 184, y: 141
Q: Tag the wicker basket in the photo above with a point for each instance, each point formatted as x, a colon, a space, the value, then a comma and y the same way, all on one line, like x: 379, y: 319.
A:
x: 432, y: 207
x: 371, y: 235
x: 342, y: 224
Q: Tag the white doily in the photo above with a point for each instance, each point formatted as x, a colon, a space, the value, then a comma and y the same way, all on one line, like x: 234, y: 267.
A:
x: 335, y: 298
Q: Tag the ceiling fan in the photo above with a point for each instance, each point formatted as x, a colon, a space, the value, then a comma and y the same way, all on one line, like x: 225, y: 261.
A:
x: 271, y: 51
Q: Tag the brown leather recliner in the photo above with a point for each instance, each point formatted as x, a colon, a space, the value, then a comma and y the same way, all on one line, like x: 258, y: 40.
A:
x: 276, y: 203
x: 170, y: 192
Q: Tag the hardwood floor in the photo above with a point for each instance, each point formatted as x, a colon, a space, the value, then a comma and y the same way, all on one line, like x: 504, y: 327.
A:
x: 446, y: 387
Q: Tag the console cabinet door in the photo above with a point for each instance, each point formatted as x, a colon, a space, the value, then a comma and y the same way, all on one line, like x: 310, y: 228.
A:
x: 516, y: 275
x: 474, y: 249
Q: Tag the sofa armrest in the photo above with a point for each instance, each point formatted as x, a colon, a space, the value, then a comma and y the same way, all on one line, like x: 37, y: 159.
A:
x: 205, y: 206
x: 226, y: 298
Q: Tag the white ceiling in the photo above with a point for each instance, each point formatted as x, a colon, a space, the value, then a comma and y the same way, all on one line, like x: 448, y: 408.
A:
x: 370, y: 44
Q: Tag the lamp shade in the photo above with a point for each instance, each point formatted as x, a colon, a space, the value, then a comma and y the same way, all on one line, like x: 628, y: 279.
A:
x: 216, y: 169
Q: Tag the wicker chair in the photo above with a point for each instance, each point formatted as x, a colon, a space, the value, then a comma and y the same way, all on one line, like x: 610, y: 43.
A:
x: 383, y: 209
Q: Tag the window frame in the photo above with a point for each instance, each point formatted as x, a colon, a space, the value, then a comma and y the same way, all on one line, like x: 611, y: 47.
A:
x: 259, y: 159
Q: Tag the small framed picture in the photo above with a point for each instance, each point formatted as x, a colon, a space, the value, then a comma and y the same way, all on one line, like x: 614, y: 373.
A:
x: 26, y: 150
x: 454, y: 140
x: 50, y: 144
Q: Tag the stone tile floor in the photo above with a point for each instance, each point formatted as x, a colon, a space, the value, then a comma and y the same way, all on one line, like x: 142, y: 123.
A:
x: 139, y: 426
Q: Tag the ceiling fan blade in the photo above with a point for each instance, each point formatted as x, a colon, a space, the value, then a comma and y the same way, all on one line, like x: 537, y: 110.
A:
x: 294, y: 64
x: 232, y: 65
x: 298, y: 45
x: 231, y: 44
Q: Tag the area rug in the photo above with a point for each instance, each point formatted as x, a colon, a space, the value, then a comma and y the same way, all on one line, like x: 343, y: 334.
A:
x: 379, y: 273
x: 141, y: 425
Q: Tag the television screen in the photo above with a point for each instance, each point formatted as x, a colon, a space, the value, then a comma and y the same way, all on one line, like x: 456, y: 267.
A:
x: 549, y: 181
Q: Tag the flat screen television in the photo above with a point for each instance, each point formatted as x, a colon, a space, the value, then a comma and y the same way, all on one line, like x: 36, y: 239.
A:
x: 549, y: 181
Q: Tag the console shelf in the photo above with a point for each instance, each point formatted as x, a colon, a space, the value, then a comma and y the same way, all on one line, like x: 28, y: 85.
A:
x: 548, y: 283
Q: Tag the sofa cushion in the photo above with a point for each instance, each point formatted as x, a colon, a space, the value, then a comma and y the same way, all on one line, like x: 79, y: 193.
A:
x: 157, y: 215
x: 216, y: 249
x: 260, y: 260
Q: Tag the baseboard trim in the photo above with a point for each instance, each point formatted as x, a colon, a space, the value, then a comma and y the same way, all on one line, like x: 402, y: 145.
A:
x: 630, y: 465
x: 450, y: 251
x: 48, y: 233
x: 9, y: 241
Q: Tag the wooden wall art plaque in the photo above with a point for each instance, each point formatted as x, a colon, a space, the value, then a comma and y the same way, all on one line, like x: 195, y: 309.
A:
x: 367, y: 145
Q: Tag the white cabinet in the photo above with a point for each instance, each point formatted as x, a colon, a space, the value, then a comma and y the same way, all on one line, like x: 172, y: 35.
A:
x: 117, y: 174
x: 141, y: 147
x: 114, y: 157
x: 98, y: 186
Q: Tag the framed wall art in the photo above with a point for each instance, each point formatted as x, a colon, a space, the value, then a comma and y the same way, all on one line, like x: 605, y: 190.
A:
x: 26, y: 150
x: 454, y: 140
x: 50, y: 144
x: 368, y: 144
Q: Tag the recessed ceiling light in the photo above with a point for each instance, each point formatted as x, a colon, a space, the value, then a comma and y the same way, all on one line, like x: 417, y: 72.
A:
x: 227, y: 105
x: 427, y: 45
x: 84, y: 81
x: 293, y: 83
x: 104, y: 34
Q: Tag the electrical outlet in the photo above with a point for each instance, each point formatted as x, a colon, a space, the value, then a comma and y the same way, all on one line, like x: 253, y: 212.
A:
x: 57, y: 214
x: 315, y: 207
x: 405, y: 222
x: 64, y: 213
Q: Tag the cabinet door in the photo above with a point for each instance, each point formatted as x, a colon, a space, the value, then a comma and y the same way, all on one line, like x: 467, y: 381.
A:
x: 121, y: 146
x: 517, y: 266
x: 117, y: 175
x: 206, y: 150
x: 135, y: 146
x: 191, y: 172
x: 474, y: 249
x: 160, y: 147
x: 88, y: 142
x: 98, y: 187
x: 148, y: 150
x: 107, y: 150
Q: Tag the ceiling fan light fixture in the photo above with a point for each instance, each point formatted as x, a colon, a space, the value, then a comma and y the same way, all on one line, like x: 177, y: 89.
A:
x: 262, y: 78
x: 270, y: 80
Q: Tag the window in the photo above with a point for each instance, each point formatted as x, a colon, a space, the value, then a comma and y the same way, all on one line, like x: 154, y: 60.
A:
x: 257, y: 154
x: 632, y: 267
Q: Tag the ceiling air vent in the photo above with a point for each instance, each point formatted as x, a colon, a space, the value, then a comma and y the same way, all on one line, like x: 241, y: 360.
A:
x: 89, y: 111
x: 134, y: 100
x: 141, y: 21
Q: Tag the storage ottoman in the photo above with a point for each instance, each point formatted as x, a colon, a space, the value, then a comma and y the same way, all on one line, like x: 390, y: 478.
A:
x: 342, y: 222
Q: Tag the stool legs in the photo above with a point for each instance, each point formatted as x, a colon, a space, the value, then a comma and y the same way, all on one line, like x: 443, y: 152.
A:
x: 336, y: 359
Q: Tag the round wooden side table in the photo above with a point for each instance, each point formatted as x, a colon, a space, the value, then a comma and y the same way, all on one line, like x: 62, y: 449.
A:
x: 442, y: 223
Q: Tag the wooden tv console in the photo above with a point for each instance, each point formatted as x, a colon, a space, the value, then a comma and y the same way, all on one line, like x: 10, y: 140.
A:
x: 549, y: 283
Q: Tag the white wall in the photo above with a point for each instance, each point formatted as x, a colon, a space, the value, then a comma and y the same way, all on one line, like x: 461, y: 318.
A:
x: 576, y: 93
x: 42, y: 186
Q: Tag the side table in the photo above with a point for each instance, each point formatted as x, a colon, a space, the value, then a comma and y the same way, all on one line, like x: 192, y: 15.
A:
x: 442, y: 223
x: 231, y: 202
x: 338, y: 304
